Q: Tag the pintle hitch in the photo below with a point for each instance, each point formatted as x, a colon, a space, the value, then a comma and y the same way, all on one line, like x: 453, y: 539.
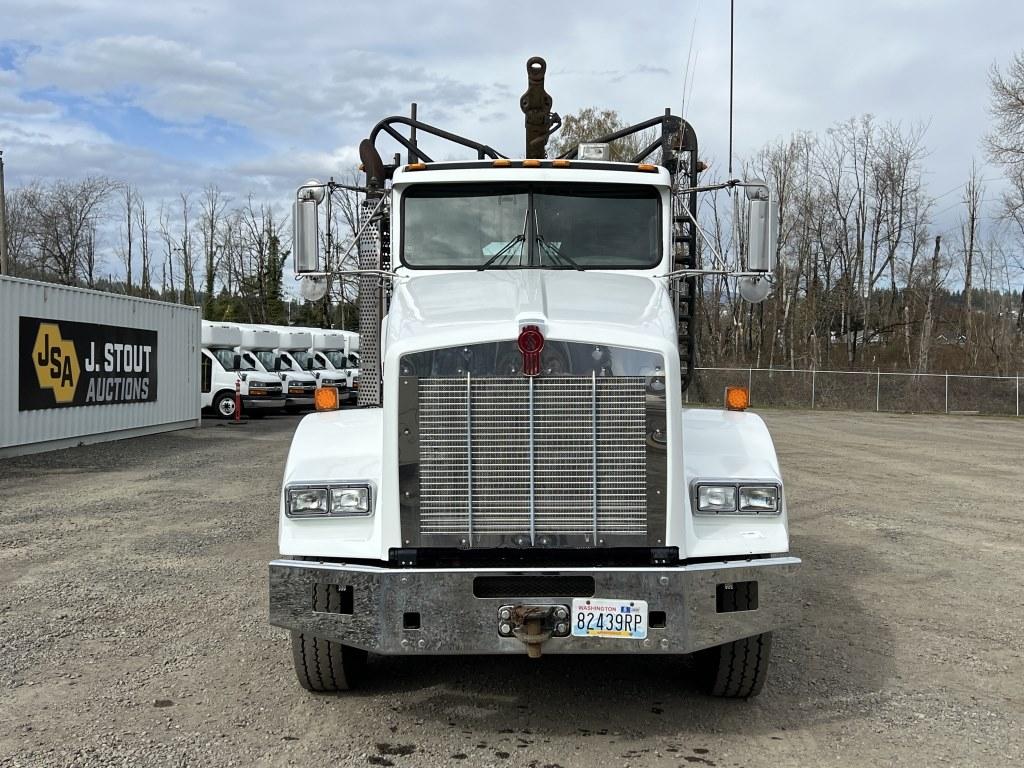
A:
x: 533, y: 625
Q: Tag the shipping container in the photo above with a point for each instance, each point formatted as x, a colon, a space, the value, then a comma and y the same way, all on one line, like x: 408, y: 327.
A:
x: 84, y: 366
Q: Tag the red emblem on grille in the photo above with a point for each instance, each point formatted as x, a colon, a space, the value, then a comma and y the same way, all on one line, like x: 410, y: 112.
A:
x: 531, y: 342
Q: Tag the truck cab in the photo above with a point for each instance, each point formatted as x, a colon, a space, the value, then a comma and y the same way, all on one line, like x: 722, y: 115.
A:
x: 222, y: 369
x: 522, y: 475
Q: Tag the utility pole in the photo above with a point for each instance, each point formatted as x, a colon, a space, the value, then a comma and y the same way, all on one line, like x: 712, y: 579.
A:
x: 3, y: 220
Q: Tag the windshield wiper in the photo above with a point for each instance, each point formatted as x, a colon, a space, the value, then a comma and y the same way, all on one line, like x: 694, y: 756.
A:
x: 505, y: 251
x: 549, y: 248
x: 507, y: 247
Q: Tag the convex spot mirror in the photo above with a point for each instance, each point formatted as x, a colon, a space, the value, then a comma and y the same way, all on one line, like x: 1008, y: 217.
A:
x: 762, y: 227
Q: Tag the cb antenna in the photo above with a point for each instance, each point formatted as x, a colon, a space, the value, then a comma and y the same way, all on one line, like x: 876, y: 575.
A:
x: 732, y: 36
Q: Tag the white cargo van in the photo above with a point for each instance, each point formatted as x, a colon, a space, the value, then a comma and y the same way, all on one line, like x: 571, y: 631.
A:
x: 336, y: 352
x: 260, y: 347
x: 221, y: 367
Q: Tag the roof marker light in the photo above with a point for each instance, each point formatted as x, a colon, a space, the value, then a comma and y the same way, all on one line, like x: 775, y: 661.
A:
x: 647, y: 167
x: 502, y: 162
x: 531, y: 163
x: 416, y: 167
x: 560, y: 163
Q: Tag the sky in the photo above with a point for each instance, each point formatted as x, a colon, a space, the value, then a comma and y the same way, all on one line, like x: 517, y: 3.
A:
x: 259, y: 96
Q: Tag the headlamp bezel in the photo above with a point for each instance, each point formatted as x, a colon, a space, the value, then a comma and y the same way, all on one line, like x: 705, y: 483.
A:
x: 328, y: 489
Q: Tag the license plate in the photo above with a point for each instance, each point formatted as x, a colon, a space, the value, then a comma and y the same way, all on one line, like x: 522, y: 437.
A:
x: 602, y: 617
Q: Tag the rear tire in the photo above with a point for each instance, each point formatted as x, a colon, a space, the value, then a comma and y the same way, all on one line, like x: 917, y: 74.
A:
x: 737, y: 670
x: 323, y: 666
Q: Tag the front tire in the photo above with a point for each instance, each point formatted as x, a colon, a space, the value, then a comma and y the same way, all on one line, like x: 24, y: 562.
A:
x: 224, y: 405
x: 323, y: 666
x: 737, y: 670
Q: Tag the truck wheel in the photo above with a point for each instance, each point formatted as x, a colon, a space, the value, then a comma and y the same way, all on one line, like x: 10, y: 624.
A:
x: 224, y: 405
x: 323, y: 666
x: 737, y: 670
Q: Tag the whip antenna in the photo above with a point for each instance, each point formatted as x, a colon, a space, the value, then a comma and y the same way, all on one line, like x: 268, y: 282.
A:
x: 732, y: 23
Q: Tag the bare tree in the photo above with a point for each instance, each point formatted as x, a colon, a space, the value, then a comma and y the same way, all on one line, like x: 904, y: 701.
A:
x: 63, y: 219
x: 212, y: 211
x: 128, y: 232
x: 142, y: 225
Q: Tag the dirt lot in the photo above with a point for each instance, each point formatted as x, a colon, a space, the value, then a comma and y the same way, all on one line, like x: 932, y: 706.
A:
x: 133, y: 622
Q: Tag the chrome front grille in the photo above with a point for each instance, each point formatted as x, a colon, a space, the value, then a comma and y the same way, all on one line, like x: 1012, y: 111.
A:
x: 532, y: 460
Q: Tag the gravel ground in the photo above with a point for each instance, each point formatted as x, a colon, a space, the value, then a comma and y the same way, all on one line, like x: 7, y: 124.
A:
x: 133, y: 622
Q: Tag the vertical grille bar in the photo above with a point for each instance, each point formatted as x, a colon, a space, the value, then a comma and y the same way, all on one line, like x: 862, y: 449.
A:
x: 533, y: 479
x: 593, y: 445
x: 469, y: 454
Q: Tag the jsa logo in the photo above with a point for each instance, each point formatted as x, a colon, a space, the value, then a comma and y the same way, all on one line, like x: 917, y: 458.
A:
x: 56, y: 363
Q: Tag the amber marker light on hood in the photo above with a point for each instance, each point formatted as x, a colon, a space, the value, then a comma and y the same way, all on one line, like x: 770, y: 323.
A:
x: 326, y: 399
x: 737, y: 398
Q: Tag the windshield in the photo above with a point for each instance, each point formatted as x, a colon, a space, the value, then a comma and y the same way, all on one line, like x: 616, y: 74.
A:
x: 266, y: 357
x: 308, y: 361
x: 226, y: 357
x: 337, y: 358
x: 515, y: 225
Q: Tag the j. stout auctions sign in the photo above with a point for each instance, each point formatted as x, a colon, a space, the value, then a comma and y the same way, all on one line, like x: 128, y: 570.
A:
x: 63, y: 364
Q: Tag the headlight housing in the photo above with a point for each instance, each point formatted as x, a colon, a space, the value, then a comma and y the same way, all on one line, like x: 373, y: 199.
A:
x: 329, y: 500
x: 740, y: 498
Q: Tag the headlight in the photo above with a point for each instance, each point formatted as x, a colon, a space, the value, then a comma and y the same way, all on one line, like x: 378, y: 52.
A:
x: 759, y: 499
x: 753, y: 498
x: 716, y: 498
x: 354, y: 500
x: 349, y: 500
x: 307, y: 502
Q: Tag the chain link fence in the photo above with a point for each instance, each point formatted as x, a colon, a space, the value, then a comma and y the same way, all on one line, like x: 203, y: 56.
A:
x: 862, y: 390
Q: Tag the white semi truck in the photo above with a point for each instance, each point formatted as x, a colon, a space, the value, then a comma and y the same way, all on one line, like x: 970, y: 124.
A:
x: 222, y: 367
x: 522, y: 475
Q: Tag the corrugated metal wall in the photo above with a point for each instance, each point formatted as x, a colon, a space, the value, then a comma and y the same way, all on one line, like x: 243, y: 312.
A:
x: 177, y: 366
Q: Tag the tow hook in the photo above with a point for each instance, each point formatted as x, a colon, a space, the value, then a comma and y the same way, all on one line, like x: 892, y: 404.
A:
x: 533, y: 625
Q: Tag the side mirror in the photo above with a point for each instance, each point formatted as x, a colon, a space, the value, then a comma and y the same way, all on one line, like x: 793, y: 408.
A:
x: 236, y: 362
x: 306, y: 227
x: 762, y: 228
x: 277, y: 363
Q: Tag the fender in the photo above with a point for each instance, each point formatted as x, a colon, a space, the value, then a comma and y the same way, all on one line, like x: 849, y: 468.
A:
x: 335, y: 446
x: 733, y: 445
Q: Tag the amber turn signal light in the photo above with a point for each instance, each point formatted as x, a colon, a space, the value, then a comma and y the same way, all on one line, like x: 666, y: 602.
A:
x: 737, y: 398
x: 531, y: 163
x: 326, y: 399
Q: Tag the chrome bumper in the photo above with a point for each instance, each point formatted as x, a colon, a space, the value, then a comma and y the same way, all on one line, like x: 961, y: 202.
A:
x: 452, y: 620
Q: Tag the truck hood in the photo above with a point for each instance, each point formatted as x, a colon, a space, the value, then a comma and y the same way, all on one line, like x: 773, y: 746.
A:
x: 440, y: 310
